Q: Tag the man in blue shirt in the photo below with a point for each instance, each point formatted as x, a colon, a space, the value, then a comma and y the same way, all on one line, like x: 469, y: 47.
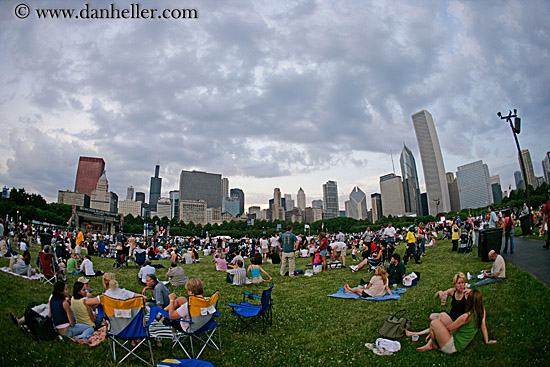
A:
x: 288, y: 243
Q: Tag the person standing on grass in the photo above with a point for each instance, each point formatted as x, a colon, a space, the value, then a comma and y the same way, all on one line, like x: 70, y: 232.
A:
x: 546, y: 215
x: 411, y: 246
x: 288, y: 244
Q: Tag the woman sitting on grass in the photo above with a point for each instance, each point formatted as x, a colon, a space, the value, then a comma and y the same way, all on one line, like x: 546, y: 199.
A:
x: 254, y: 271
x: 23, y: 265
x: 453, y: 336
x: 62, y: 317
x: 112, y: 290
x: 221, y: 263
x: 459, y: 296
x: 82, y: 312
x: 377, y: 287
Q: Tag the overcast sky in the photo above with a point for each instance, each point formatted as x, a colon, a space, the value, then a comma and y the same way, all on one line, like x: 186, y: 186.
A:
x: 284, y: 94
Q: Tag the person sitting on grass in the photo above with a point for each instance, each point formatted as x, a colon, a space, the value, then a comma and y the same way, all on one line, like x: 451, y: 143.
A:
x: 178, y: 307
x: 145, y: 270
x: 459, y: 296
x: 62, y: 316
x: 176, y: 275
x: 396, y: 270
x: 254, y: 271
x: 377, y: 258
x: 453, y: 336
x: 72, y: 265
x: 495, y: 274
x: 377, y: 287
x: 87, y: 267
x: 83, y: 313
x: 23, y: 265
x: 236, y: 276
x: 221, y: 263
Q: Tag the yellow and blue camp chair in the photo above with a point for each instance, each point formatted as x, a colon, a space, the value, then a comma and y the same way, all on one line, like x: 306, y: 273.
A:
x: 248, y: 314
x: 126, y: 322
x: 202, y: 326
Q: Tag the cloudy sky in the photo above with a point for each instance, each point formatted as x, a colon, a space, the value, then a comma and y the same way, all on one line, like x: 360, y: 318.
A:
x: 270, y: 94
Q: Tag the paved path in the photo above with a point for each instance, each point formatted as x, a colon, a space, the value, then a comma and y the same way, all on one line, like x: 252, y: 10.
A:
x: 529, y: 255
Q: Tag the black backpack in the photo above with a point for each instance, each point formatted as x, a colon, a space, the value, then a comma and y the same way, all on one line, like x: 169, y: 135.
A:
x: 508, y: 228
x: 42, y: 328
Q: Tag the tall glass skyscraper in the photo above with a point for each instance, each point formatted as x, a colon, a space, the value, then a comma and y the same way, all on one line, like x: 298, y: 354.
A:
x: 88, y: 173
x: 301, y: 198
x: 432, y: 163
x: 411, y: 188
x: 546, y: 167
x: 239, y: 194
x: 154, y: 189
x: 474, y: 185
x: 330, y: 200
x: 198, y: 185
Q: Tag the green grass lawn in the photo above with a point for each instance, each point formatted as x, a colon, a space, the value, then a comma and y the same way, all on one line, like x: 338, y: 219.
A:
x: 311, y: 329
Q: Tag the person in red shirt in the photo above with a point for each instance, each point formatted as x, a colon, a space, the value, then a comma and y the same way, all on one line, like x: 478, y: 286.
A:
x: 546, y: 216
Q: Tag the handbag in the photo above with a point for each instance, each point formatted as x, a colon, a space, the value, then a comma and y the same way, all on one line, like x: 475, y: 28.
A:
x: 395, y: 325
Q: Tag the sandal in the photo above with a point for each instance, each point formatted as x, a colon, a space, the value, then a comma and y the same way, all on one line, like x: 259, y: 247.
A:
x: 371, y: 346
x: 381, y: 352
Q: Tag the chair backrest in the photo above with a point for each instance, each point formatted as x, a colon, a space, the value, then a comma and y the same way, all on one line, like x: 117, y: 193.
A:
x: 46, y: 262
x: 126, y: 317
x: 266, y: 299
x: 202, y: 311
x: 140, y: 257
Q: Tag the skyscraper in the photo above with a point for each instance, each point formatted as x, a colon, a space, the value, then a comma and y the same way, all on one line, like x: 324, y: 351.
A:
x: 301, y: 199
x: 454, y: 196
x: 174, y: 203
x: 196, y: 185
x: 546, y: 167
x: 520, y: 182
x: 140, y: 196
x: 529, y: 171
x: 391, y: 189
x: 356, y: 206
x: 130, y: 193
x: 239, y: 194
x: 330, y: 200
x: 277, y: 209
x: 231, y: 205
x: 225, y: 187
x: 317, y: 204
x: 474, y: 185
x: 289, y: 202
x: 88, y: 173
x: 432, y: 162
x: 154, y: 189
x: 496, y: 189
x: 376, y: 202
x: 411, y: 188
x: 101, y: 198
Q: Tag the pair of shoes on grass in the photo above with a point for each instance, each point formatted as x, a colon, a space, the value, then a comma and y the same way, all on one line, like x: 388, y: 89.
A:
x: 353, y: 268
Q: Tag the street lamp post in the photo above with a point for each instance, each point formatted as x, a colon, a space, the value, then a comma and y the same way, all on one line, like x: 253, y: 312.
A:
x: 516, y: 129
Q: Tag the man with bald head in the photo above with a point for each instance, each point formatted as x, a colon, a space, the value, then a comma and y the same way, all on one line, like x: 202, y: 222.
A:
x: 495, y: 274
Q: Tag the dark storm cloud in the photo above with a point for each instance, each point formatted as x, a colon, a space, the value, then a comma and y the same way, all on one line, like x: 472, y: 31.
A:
x: 265, y: 89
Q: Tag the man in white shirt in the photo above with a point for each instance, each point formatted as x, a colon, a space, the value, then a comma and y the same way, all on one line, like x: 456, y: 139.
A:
x: 145, y: 270
x: 495, y: 274
x: 389, y: 233
x: 186, y: 257
x: 87, y: 267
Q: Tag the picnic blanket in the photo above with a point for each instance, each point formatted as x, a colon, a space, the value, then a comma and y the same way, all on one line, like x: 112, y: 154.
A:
x: 32, y: 277
x: 343, y: 294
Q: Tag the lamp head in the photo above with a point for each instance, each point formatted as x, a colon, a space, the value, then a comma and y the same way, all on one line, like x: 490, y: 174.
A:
x: 499, y: 114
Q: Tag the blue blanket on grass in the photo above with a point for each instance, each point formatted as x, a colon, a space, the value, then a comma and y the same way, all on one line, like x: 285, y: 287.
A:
x: 343, y: 294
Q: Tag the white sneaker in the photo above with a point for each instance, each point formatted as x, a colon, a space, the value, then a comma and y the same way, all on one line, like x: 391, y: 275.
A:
x: 467, y: 285
x: 469, y: 276
x: 481, y: 276
x: 353, y: 268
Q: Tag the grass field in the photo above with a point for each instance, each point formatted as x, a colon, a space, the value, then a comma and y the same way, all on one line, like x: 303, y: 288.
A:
x: 311, y: 329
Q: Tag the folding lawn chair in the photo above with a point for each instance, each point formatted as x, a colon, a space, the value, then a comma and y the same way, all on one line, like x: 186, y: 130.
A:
x: 139, y: 258
x: 248, y: 314
x: 202, y: 326
x: 121, y: 259
x: 126, y: 322
x: 47, y: 269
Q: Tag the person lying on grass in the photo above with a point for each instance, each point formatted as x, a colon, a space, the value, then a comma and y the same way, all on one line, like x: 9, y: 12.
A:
x: 454, y: 336
x: 254, y: 271
x: 459, y: 296
x: 377, y: 287
x: 62, y: 316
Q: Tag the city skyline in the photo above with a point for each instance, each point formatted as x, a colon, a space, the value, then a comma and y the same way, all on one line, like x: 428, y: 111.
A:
x: 271, y: 96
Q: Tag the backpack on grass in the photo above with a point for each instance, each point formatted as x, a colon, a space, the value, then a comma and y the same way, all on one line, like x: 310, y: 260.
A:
x: 42, y: 328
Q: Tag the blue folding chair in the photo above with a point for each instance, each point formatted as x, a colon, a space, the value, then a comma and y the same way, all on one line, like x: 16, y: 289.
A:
x: 247, y: 314
x: 126, y: 322
x: 202, y: 326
